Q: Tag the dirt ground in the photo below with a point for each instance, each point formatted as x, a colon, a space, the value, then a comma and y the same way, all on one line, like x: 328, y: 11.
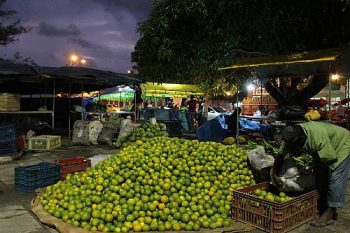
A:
x: 16, y: 216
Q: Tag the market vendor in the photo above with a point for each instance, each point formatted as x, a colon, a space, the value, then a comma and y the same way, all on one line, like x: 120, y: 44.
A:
x: 330, y: 145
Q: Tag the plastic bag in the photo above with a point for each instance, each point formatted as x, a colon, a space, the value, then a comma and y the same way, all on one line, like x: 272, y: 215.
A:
x: 292, y: 180
x: 259, y: 159
x: 95, y: 128
x: 81, y: 133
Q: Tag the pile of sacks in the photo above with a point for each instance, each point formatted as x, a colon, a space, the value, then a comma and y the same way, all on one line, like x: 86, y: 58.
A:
x: 94, y: 132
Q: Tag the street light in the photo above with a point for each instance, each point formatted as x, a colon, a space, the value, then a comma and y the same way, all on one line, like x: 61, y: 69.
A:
x: 250, y: 87
x: 335, y: 77
x: 73, y: 58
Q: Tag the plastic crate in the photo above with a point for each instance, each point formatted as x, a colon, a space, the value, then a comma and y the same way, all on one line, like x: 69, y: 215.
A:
x: 8, y: 147
x: 270, y: 216
x: 28, y: 178
x: 8, y: 132
x: 71, y: 165
x: 44, y: 142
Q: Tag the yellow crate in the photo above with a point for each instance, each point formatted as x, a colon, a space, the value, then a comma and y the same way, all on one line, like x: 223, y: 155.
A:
x: 44, y: 142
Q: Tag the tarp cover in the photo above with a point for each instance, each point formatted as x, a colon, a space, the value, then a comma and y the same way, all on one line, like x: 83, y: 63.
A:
x: 63, y: 227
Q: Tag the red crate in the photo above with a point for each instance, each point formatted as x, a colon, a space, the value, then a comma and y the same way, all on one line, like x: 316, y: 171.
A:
x: 72, y: 165
x: 270, y: 216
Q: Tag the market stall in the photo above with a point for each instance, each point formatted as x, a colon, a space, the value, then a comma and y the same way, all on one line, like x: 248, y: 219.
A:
x: 292, y: 80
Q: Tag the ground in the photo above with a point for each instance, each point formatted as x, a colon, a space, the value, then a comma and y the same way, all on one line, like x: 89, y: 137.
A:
x: 15, y: 205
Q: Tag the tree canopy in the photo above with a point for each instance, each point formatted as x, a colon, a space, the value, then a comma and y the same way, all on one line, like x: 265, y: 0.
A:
x: 9, y: 28
x: 187, y: 41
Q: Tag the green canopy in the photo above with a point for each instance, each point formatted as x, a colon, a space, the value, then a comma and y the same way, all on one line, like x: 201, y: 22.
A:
x: 157, y: 90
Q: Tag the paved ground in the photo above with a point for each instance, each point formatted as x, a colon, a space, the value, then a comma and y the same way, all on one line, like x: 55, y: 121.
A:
x: 16, y: 217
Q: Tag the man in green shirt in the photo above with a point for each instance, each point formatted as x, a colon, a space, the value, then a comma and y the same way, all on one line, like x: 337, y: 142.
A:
x: 330, y: 144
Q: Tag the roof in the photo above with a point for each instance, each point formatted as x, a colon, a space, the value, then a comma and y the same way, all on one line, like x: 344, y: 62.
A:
x: 7, y: 68
x: 305, y: 57
x: 84, y: 75
x: 21, y: 78
x: 311, y: 62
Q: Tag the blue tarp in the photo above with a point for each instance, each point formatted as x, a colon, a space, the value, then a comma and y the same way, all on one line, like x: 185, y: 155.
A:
x: 213, y: 130
x: 216, y: 129
x: 250, y: 125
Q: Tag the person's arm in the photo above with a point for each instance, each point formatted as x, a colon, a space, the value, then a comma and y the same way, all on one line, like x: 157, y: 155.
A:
x: 326, y: 152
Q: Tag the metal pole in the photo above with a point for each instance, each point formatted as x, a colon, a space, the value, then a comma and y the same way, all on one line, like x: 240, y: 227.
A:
x: 82, y: 100
x: 53, y: 104
x: 98, y: 104
x: 329, y: 98
x: 135, y: 104
x: 69, y: 111
x: 261, y: 103
x: 237, y: 115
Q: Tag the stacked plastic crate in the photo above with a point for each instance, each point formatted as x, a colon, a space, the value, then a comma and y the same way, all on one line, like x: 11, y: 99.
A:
x: 8, y: 140
x: 28, y: 178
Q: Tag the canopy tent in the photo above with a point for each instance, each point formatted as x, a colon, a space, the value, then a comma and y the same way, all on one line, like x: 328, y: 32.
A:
x: 29, y: 80
x: 119, y: 93
x: 19, y: 78
x: 320, y: 64
x: 88, y: 79
x: 306, y: 63
x: 150, y: 91
x: 157, y: 90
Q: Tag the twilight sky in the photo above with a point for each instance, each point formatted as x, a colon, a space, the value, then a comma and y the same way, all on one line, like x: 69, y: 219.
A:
x: 103, y: 31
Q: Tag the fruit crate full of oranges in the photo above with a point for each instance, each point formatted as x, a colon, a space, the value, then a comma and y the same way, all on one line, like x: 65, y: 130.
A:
x: 272, y: 213
x: 71, y: 165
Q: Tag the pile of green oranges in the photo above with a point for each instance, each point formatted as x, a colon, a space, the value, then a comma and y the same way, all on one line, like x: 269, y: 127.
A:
x: 269, y: 196
x: 144, y: 131
x: 156, y: 184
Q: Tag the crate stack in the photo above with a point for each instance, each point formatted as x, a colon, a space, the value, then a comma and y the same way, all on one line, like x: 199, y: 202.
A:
x: 8, y: 140
x: 71, y: 165
x: 29, y: 178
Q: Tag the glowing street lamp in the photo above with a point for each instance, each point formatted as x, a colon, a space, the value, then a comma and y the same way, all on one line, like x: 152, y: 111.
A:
x: 76, y: 60
x: 335, y: 77
x: 250, y: 87
x: 73, y: 59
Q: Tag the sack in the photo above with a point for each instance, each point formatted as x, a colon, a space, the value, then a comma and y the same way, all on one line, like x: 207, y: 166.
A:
x: 81, y: 133
x: 95, y: 128
x: 108, y: 132
x: 126, y: 128
x: 259, y: 159
x: 292, y: 180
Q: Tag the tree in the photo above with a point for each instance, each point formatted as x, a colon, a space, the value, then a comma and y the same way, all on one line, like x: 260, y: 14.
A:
x: 188, y: 40
x: 9, y: 28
